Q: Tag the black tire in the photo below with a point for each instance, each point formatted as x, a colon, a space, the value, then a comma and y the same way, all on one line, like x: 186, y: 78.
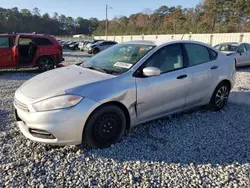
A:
x: 105, y: 127
x: 45, y: 64
x: 96, y: 51
x: 220, y: 97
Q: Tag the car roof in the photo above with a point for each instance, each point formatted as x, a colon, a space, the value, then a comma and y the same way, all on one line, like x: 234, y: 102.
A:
x: 228, y: 43
x: 161, y: 42
x: 25, y: 35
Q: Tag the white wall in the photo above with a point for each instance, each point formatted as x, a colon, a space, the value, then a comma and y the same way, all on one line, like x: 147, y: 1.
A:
x: 211, y: 39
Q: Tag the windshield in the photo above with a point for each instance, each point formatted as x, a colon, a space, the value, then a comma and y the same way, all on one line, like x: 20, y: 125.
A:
x: 119, y: 58
x: 227, y: 47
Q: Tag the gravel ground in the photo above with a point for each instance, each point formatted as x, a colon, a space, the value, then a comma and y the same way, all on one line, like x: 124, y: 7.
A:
x: 197, y: 148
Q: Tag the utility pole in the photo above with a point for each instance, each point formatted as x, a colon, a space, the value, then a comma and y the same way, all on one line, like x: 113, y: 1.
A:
x: 106, y: 31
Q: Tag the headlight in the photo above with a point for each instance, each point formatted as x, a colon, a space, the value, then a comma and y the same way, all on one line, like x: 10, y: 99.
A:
x: 58, y: 102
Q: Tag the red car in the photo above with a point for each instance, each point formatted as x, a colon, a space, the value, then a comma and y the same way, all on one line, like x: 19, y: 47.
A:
x: 30, y: 50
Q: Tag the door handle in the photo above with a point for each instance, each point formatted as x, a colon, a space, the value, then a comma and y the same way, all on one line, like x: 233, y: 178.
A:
x: 181, y: 76
x: 214, y: 67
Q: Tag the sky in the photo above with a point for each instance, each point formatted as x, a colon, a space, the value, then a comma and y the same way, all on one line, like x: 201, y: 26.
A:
x: 94, y: 8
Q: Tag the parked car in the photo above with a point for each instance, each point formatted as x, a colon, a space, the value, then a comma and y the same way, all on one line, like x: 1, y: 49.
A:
x: 125, y: 85
x: 73, y: 46
x: 91, y: 42
x: 82, y: 44
x: 29, y: 50
x: 239, y: 51
x: 66, y: 44
x: 100, y: 46
x: 61, y: 42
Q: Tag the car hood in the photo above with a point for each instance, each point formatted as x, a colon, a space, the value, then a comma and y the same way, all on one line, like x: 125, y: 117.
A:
x: 57, y: 81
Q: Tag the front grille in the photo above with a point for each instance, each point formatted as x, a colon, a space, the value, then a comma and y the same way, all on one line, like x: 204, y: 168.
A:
x: 41, y: 134
x: 21, y: 105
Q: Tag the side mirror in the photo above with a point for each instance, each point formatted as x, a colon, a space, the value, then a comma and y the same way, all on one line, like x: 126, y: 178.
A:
x: 151, y: 71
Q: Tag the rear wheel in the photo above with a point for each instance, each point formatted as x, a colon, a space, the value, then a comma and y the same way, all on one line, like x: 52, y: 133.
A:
x: 220, y: 97
x: 45, y: 64
x: 96, y: 51
x: 105, y: 127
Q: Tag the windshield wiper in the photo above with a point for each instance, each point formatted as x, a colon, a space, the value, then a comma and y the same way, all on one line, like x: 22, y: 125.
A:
x: 102, y: 70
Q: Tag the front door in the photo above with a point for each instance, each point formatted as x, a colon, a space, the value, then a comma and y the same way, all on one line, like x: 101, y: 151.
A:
x: 5, y: 52
x: 242, y: 57
x: 247, y: 46
x: 159, y: 95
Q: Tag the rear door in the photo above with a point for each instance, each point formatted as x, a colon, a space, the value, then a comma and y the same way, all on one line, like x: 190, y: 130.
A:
x: 203, y: 71
x: 5, y: 52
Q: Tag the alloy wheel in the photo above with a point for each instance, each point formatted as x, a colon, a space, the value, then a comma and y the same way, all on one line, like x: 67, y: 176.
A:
x: 221, y: 96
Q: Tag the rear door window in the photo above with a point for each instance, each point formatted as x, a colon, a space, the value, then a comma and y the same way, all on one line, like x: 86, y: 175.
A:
x: 4, y: 42
x: 213, y: 54
x: 247, y: 46
x: 42, y: 41
x: 242, y: 48
x: 197, y: 54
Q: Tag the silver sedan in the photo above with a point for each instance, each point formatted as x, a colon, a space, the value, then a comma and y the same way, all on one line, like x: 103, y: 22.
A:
x: 123, y: 86
x: 239, y: 51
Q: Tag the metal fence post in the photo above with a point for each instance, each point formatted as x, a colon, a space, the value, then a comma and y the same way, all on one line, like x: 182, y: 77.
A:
x: 211, y: 40
x: 122, y: 38
x: 142, y: 37
x: 131, y: 37
x: 241, y: 37
x: 172, y: 37
x: 190, y: 37
x: 156, y: 37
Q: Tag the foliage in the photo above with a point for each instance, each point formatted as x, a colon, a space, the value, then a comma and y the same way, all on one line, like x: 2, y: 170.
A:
x: 207, y: 17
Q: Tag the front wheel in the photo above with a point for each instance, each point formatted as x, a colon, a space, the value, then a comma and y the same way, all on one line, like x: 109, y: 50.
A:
x: 96, y: 51
x: 45, y: 64
x: 105, y: 127
x: 220, y: 97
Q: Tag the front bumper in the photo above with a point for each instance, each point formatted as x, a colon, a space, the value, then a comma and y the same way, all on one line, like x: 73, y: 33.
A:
x: 65, y: 126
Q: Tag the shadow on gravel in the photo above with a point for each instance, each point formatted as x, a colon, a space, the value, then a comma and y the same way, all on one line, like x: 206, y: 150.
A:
x: 18, y: 74
x: 4, y: 118
x: 197, y: 136
x: 243, y: 69
x: 77, y: 55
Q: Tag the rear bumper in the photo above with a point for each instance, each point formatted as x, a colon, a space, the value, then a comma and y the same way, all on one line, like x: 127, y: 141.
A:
x: 58, y: 59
